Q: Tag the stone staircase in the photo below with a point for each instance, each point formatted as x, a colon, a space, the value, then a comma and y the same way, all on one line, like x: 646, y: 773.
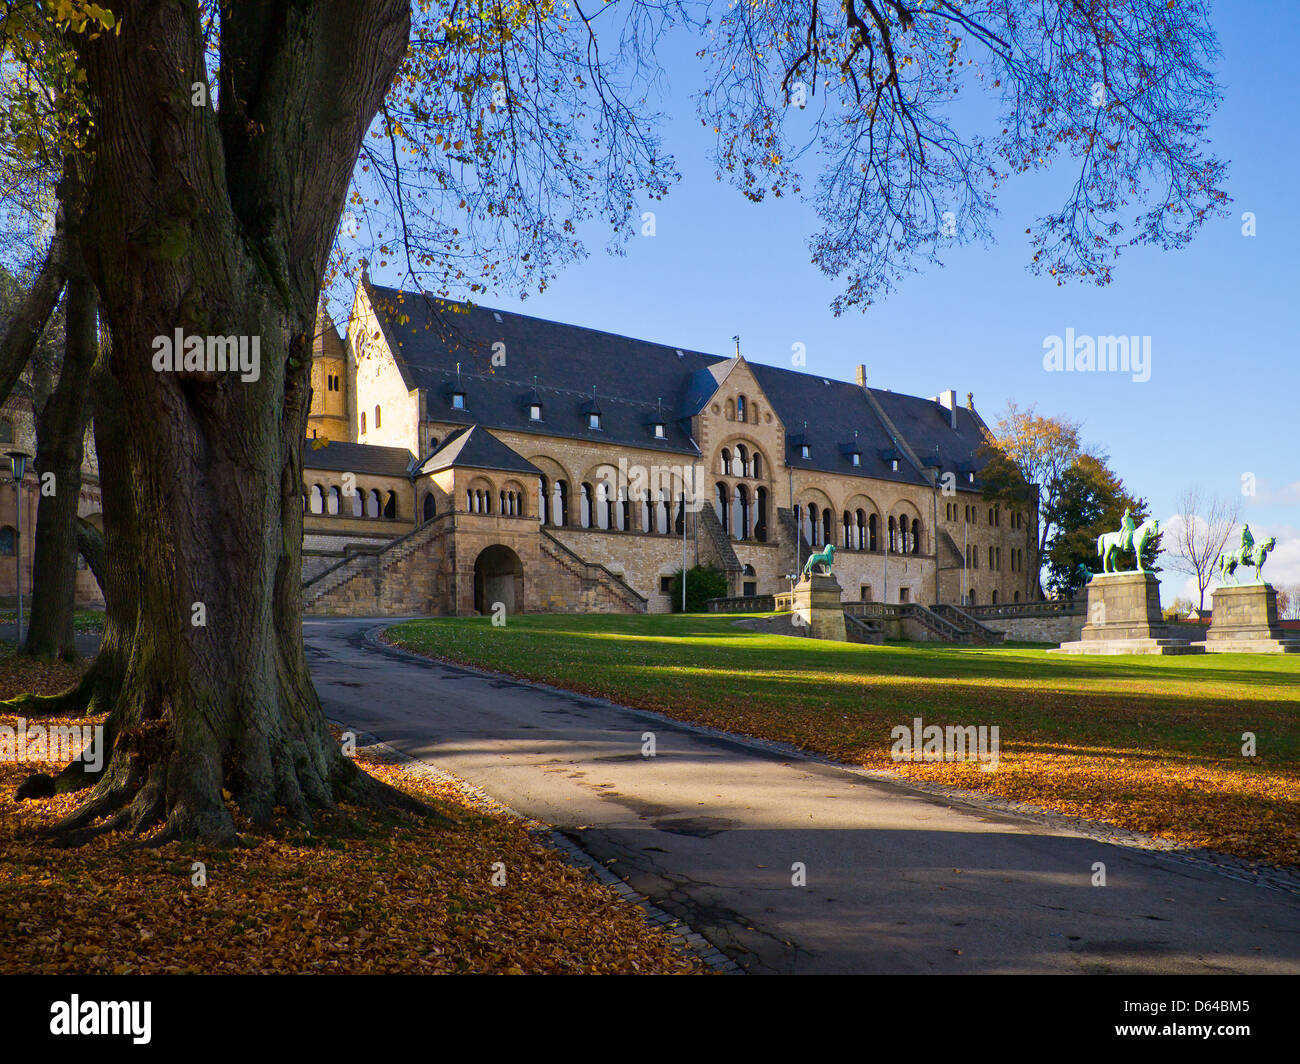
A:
x: 717, y: 539
x: 602, y: 590
x: 977, y: 630
x: 790, y: 532
x: 366, y: 567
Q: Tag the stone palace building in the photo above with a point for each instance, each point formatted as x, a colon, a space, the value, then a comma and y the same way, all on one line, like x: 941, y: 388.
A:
x: 462, y: 457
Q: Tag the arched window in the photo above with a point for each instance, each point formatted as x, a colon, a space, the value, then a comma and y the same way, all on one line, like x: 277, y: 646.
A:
x: 1017, y: 597
x: 373, y: 504
x: 916, y: 536
x: 663, y: 513
x: 723, y: 507
x: 358, y: 502
x: 740, y: 408
x: 390, y: 507
x: 731, y: 410
x: 378, y: 418
x: 994, y: 599
x: 893, y: 536
x: 757, y: 466
x: 811, y: 525
x: 8, y: 541
x: 333, y: 501
x: 430, y: 507
x: 970, y: 599
x: 587, y: 514
x: 740, y: 463
x: 861, y: 538
x: 827, y: 535
x: 363, y: 422
x: 847, y: 542
x: 873, y: 542
x: 724, y: 462
x: 760, y: 514
x: 317, y: 499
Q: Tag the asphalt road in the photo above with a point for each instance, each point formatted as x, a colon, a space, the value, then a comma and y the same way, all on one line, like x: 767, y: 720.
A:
x: 897, y: 881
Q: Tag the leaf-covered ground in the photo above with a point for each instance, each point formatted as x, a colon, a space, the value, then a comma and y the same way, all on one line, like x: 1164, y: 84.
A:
x: 1145, y: 743
x: 358, y: 893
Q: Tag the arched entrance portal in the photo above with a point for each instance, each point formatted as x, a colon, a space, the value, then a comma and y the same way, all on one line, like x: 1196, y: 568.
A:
x: 498, y: 577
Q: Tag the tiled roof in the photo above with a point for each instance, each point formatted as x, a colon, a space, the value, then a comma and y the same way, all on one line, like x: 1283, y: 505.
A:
x: 476, y: 448
x: 337, y: 457
x: 565, y: 365
x: 568, y: 368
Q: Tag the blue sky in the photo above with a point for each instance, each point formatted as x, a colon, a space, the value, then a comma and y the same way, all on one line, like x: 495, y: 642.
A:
x: 1221, y: 400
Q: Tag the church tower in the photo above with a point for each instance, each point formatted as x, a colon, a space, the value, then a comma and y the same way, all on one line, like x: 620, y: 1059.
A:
x: 327, y: 418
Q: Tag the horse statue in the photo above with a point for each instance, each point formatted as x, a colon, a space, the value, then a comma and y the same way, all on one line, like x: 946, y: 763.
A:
x: 822, y: 557
x: 1229, y: 560
x: 1131, y: 536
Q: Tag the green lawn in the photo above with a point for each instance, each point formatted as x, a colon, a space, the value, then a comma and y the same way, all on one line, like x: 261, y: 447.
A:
x: 1146, y: 742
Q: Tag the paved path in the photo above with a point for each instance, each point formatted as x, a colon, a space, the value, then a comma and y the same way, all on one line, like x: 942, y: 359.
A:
x: 897, y: 880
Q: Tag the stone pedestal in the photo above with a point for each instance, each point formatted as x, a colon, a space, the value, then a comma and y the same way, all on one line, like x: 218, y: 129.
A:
x: 817, y: 605
x: 1245, y: 622
x: 1124, y: 618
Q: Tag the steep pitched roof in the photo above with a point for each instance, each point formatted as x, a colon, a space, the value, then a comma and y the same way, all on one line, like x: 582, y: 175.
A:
x: 340, y: 457
x: 827, y: 415
x: 570, y: 369
x: 564, y: 365
x: 476, y: 448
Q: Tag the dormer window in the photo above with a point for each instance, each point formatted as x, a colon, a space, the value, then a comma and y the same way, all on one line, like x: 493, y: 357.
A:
x: 659, y: 430
x: 593, y: 421
x: 458, y: 400
x: 805, y: 451
x: 855, y: 458
x: 970, y: 478
x: 893, y: 464
x: 534, y: 411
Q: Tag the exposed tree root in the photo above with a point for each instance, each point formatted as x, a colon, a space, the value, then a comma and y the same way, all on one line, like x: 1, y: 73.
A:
x: 70, y: 703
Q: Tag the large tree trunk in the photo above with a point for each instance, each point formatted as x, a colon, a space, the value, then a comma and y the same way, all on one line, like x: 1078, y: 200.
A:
x: 221, y: 226
x: 60, y: 450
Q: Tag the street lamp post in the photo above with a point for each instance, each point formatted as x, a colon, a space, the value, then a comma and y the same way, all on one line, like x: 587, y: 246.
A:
x: 18, y: 462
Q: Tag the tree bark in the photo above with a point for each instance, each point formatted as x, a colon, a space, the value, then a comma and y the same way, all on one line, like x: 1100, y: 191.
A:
x: 221, y: 226
x: 60, y: 450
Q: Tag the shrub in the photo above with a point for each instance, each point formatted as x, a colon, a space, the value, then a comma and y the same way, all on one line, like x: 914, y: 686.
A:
x: 703, y: 582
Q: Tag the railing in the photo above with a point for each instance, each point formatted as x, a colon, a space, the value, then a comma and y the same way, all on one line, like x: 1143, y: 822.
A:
x: 744, y: 604
x: 1047, y: 608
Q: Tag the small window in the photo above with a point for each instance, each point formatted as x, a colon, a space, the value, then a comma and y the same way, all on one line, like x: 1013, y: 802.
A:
x: 893, y: 464
x: 805, y: 451
x: 458, y: 400
x: 593, y: 421
x: 8, y: 541
x: 666, y: 584
x: 904, y: 594
x: 378, y: 417
x: 659, y: 430
x: 535, y: 412
x: 857, y: 458
x: 363, y: 422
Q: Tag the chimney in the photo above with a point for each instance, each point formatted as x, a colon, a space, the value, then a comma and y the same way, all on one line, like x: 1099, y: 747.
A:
x: 948, y: 400
x: 862, y: 375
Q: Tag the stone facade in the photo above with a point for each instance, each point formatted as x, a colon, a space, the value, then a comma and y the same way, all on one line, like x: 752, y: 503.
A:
x: 1245, y: 621
x: 720, y: 472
